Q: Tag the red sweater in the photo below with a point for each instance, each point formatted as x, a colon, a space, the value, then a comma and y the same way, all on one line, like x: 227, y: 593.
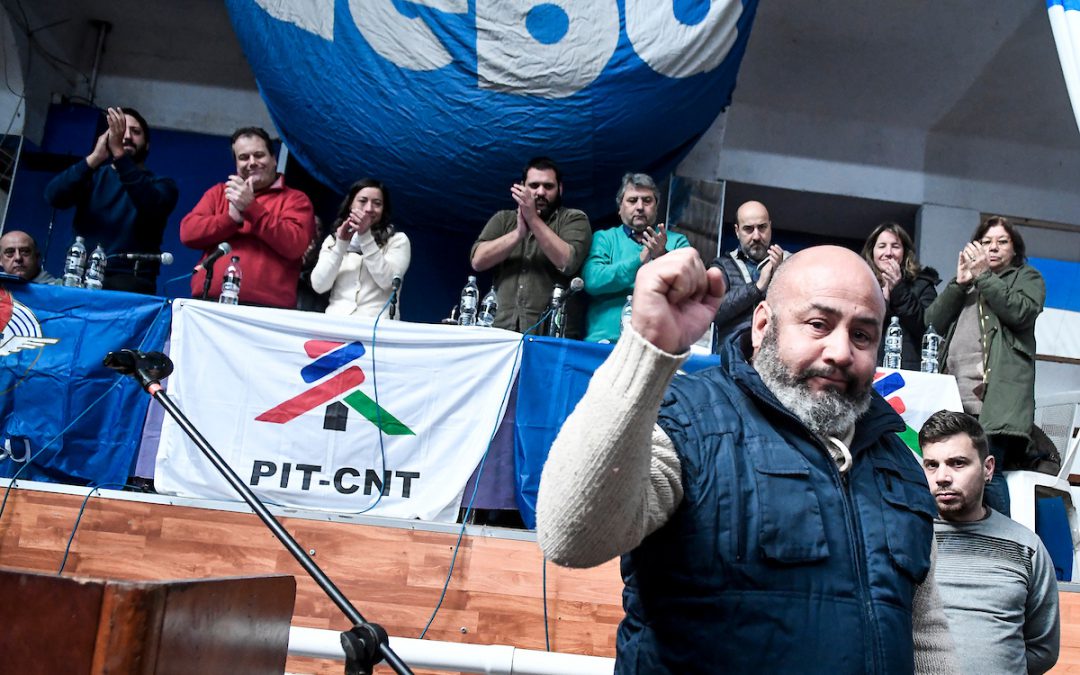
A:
x: 277, y: 228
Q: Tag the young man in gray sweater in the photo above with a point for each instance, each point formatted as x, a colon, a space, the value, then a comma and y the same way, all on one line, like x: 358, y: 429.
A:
x: 995, y: 576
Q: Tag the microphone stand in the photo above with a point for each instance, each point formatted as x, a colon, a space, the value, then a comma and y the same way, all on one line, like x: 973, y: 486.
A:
x: 209, y: 269
x: 366, y: 643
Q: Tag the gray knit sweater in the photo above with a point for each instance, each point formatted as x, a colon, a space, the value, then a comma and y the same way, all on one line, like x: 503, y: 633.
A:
x: 613, y: 477
x: 1000, y: 594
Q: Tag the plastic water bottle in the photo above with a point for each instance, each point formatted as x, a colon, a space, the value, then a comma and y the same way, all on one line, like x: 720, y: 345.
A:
x: 624, y: 320
x: 469, y: 296
x: 75, y: 265
x: 555, y: 323
x: 230, y: 283
x: 488, y: 307
x: 894, y: 344
x: 931, y: 343
x: 95, y: 272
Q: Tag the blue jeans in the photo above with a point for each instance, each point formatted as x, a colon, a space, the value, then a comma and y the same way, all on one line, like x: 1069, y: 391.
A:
x: 996, y: 495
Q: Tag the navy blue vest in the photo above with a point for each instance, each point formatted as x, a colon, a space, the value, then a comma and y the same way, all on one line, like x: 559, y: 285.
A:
x: 773, y: 562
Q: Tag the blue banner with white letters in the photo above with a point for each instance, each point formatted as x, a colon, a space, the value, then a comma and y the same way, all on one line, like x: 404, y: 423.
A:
x: 61, y: 410
x: 445, y: 100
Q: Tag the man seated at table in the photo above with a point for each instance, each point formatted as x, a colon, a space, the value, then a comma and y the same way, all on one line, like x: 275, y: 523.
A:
x: 19, y: 256
x: 267, y: 224
x: 532, y: 247
x: 618, y: 252
x: 996, y: 578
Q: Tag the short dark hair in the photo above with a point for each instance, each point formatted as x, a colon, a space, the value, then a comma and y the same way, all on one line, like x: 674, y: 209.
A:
x: 1019, y: 249
x: 382, y: 230
x: 542, y: 164
x: 252, y: 131
x: 945, y: 424
x: 141, y: 120
x: 638, y: 180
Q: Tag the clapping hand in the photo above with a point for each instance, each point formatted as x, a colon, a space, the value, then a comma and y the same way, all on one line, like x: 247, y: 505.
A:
x: 239, y: 193
x: 972, y: 263
x: 526, y: 201
x: 654, y: 242
x: 890, y: 276
x: 117, y: 130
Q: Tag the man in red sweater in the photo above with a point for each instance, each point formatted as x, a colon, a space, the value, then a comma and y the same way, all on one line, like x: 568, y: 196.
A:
x: 267, y: 224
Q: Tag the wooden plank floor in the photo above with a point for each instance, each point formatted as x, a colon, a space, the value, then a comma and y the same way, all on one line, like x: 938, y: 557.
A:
x: 1069, y: 658
x: 393, y: 575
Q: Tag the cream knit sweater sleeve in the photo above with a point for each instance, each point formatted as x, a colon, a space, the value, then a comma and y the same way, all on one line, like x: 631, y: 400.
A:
x: 612, y: 476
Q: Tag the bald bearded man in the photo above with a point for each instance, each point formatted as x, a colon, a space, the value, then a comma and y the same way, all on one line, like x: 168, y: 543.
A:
x: 769, y: 518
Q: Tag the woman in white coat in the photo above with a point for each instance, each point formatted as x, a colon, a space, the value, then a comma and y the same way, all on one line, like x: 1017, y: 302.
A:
x: 360, y: 260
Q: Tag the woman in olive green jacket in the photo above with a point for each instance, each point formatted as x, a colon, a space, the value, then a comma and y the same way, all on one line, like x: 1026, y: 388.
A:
x: 987, y: 314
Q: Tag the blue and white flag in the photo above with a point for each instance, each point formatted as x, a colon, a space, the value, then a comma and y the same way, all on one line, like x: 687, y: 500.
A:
x: 1065, y: 24
x: 73, y: 419
x: 445, y: 100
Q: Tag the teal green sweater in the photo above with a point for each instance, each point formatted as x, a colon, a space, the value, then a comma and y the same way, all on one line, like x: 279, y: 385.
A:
x: 609, y: 274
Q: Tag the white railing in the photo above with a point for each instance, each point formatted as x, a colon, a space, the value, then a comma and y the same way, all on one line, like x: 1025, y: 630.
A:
x: 456, y: 656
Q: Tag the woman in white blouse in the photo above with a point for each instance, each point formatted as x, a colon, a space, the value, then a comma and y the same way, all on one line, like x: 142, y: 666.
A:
x: 358, y: 263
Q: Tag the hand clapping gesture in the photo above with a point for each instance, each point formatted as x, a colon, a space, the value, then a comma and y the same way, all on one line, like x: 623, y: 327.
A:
x: 775, y: 257
x: 890, y: 276
x: 117, y: 130
x: 357, y: 222
x: 526, y: 201
x: 654, y: 242
x: 972, y: 263
x: 239, y: 194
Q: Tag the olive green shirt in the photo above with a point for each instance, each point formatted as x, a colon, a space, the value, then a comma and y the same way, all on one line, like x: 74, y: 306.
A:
x: 523, y: 281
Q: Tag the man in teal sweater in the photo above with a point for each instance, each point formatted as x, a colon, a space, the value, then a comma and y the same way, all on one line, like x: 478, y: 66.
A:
x: 618, y: 252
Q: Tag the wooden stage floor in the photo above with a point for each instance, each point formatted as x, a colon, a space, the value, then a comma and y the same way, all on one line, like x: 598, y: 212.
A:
x: 392, y: 570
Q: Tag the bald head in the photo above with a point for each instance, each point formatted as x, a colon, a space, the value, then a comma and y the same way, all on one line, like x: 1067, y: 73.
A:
x: 825, y: 268
x: 19, y: 255
x: 754, y: 230
x: 751, y: 212
x: 816, y: 336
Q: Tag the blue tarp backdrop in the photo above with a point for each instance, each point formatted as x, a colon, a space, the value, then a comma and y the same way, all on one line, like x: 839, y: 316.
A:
x: 52, y: 341
x: 445, y: 101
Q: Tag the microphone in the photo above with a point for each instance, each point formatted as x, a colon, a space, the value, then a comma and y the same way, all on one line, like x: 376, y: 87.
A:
x: 163, y: 258
x: 395, y: 286
x: 576, y: 284
x: 222, y: 249
x: 155, y: 365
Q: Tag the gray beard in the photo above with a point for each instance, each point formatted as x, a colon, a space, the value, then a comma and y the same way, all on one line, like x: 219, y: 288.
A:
x: 825, y: 413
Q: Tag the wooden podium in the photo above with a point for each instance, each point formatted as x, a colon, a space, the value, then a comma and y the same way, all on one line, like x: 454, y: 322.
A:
x: 51, y: 624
